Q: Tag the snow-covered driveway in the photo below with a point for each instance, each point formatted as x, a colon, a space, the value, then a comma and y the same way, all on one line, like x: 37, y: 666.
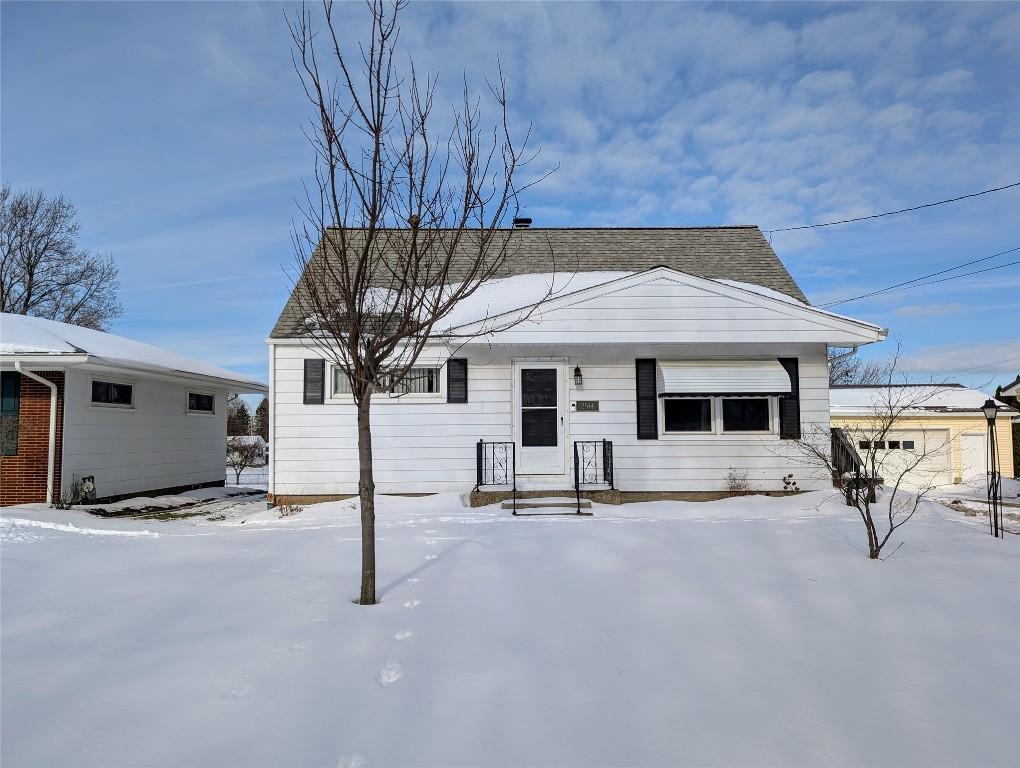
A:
x: 750, y: 631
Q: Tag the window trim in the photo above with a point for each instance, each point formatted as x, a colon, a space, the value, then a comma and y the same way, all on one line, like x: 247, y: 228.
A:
x: 717, y: 417
x: 192, y: 412
x: 112, y: 380
x: 440, y: 393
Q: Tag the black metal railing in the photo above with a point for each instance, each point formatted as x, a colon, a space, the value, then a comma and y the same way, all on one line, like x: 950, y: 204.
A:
x: 496, y: 465
x: 593, y: 465
x: 850, y: 473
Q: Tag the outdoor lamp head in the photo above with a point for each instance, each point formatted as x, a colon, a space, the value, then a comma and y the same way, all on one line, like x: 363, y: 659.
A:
x: 990, y: 409
x: 578, y: 380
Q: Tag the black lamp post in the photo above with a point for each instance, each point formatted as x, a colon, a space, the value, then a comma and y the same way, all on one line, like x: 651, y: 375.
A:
x: 994, y: 481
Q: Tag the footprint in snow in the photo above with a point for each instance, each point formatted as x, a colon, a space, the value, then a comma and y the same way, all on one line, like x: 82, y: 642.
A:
x: 389, y: 673
x: 402, y: 634
x: 276, y: 570
x: 239, y: 692
x: 412, y: 604
x: 432, y: 542
x: 432, y: 531
x: 431, y: 557
x: 353, y: 760
x: 300, y: 647
x: 412, y: 581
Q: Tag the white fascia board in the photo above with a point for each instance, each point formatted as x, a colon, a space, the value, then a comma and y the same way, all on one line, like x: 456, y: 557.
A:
x: 241, y: 386
x: 42, y: 361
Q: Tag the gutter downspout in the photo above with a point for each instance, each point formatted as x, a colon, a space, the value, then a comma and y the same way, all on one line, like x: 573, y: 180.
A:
x: 52, y: 447
x: 853, y: 351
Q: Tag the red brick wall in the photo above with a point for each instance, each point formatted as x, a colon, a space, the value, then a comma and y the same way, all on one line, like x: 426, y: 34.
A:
x: 23, y: 477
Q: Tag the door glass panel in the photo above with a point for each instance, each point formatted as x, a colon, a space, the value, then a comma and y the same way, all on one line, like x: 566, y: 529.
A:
x: 538, y: 427
x: 538, y: 388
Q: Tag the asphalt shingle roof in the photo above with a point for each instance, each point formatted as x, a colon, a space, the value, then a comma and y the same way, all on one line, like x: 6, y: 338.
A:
x: 731, y: 253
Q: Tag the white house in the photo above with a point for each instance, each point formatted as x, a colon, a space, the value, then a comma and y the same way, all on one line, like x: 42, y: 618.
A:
x: 665, y: 359
x: 81, y: 404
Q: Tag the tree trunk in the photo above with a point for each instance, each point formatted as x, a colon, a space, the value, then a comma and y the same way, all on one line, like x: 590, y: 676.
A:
x: 366, y: 492
x: 237, y: 476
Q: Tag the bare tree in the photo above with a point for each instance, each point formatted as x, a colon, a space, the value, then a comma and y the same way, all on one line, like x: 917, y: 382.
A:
x: 244, y: 452
x: 880, y: 473
x: 404, y: 221
x: 848, y: 368
x: 43, y: 272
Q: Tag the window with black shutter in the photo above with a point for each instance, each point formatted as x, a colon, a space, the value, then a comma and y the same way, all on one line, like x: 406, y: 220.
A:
x: 315, y: 382
x: 647, y: 408
x: 789, y: 404
x: 456, y: 380
x: 10, y: 405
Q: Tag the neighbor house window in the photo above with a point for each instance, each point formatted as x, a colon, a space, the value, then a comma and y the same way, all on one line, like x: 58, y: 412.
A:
x: 687, y: 414
x: 200, y: 402
x: 10, y: 404
x: 341, y: 384
x: 894, y: 445
x: 864, y: 444
x: 908, y: 445
x: 745, y: 414
x: 112, y: 393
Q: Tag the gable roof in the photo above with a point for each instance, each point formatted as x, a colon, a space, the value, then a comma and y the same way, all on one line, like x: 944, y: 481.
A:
x: 22, y: 336
x: 942, y: 398
x: 739, y: 253
x: 500, y: 301
x: 1013, y: 388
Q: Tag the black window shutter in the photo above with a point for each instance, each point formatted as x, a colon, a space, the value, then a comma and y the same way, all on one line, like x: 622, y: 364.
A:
x: 647, y: 404
x: 315, y: 382
x: 456, y: 380
x: 789, y: 405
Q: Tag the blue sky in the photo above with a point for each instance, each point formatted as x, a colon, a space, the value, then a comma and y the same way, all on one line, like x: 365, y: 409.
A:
x: 175, y: 130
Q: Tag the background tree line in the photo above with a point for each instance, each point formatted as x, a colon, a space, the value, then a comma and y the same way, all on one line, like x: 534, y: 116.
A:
x: 241, y: 421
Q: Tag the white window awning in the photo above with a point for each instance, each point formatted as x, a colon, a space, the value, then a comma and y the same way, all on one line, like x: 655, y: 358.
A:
x: 722, y: 377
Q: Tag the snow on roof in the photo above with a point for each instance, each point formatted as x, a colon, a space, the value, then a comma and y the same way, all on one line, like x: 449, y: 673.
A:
x: 924, y: 398
x: 24, y: 335
x: 505, y: 294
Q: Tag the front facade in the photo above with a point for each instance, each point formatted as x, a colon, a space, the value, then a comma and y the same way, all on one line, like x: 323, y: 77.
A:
x: 674, y: 381
x: 944, y: 421
x: 125, y: 418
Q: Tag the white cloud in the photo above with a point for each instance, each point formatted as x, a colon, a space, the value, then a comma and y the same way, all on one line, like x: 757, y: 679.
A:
x: 990, y: 358
x: 928, y: 310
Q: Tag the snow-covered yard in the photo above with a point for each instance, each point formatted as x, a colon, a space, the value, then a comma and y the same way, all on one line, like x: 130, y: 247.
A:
x: 750, y: 631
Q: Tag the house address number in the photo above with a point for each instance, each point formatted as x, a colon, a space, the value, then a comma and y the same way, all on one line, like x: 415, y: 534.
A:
x: 587, y: 405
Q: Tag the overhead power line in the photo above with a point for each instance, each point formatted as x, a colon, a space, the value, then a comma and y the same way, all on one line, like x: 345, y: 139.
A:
x: 894, y: 213
x: 917, y: 281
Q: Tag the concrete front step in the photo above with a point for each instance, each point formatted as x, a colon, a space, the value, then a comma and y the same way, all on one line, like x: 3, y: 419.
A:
x: 558, y: 504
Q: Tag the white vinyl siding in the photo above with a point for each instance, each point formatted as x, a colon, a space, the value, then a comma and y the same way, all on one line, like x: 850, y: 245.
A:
x: 429, y: 446
x: 154, y: 444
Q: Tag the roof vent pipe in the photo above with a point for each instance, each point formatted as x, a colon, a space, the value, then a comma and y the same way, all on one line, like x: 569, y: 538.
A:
x: 522, y: 222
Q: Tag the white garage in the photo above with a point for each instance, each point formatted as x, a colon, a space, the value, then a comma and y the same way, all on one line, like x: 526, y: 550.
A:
x: 943, y: 422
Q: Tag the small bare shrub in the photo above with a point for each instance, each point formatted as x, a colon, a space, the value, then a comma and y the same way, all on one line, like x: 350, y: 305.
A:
x: 736, y: 481
x: 289, y: 510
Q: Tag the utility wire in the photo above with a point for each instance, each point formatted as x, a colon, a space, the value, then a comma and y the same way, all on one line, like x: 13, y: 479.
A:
x: 893, y: 213
x: 911, y: 283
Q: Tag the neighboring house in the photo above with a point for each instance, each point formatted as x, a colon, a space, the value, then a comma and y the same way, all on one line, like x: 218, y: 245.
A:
x: 79, y: 404
x: 947, y: 422
x: 1010, y: 394
x: 252, y: 440
x: 689, y: 351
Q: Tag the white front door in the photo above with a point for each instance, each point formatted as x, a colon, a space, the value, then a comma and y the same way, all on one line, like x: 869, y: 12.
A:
x: 539, y: 430
x: 973, y: 456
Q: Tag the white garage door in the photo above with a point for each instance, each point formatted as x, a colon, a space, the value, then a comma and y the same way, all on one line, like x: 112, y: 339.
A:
x: 973, y: 456
x: 900, y: 451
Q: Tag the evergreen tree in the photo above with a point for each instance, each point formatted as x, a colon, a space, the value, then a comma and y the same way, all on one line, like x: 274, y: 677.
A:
x: 260, y: 426
x: 238, y: 419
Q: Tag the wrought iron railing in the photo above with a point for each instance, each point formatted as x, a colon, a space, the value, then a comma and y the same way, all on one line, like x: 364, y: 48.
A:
x: 850, y: 473
x: 496, y: 466
x: 593, y: 465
